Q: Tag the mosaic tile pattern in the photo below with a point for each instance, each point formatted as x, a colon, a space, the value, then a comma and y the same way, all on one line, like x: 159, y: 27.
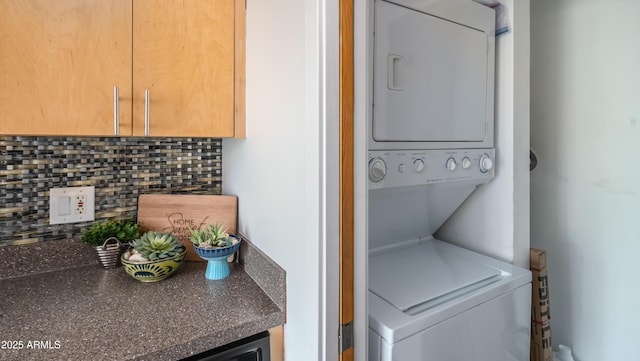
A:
x: 120, y: 169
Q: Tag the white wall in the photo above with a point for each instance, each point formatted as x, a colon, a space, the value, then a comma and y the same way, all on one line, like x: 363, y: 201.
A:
x: 585, y: 206
x: 495, y: 219
x: 285, y: 171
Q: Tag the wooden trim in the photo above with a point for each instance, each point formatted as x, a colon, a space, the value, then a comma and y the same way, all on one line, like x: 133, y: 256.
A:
x: 348, y: 355
x: 276, y: 343
x: 240, y: 69
x: 346, y: 168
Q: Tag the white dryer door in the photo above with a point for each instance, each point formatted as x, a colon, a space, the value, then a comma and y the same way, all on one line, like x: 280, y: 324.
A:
x: 430, y: 78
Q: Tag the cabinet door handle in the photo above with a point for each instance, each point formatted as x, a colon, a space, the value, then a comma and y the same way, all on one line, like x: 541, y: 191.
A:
x: 146, y: 112
x: 116, y: 110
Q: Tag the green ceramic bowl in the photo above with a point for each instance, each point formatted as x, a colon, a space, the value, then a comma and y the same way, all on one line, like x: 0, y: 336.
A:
x: 153, y: 271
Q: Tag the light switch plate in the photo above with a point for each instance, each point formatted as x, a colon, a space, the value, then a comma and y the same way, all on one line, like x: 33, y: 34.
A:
x: 71, y: 205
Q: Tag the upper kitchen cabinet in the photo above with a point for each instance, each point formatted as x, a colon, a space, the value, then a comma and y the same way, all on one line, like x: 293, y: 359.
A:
x: 135, y: 67
x: 59, y: 63
x: 185, y: 65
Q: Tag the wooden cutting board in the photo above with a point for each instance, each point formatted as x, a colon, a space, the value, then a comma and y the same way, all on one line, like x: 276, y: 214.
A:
x: 175, y: 213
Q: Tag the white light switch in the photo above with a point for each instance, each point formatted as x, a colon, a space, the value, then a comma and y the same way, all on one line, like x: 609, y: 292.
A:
x: 64, y: 206
x: 71, y: 205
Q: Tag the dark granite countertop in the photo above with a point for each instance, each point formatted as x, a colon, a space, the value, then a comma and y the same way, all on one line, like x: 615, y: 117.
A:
x: 89, y: 313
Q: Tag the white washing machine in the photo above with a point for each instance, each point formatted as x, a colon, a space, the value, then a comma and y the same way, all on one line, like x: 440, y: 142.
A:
x: 430, y: 146
x: 430, y: 300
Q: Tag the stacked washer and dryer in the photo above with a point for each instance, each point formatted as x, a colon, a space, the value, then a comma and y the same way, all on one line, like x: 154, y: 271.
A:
x: 430, y: 146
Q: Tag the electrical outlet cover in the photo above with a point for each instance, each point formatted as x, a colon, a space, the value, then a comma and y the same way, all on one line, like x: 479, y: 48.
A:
x: 71, y: 205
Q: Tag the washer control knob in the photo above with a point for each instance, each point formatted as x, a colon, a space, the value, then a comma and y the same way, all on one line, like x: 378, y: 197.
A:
x: 418, y: 165
x: 466, y: 163
x: 377, y: 169
x: 451, y: 164
x: 401, y: 168
x: 486, y: 163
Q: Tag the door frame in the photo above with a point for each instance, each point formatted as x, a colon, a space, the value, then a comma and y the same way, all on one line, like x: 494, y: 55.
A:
x: 346, y: 214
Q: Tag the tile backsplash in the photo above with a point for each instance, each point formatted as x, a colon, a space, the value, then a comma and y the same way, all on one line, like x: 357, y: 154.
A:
x: 120, y: 169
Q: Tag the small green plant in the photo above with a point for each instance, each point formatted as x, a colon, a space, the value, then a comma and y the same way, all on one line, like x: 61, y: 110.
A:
x: 210, y: 236
x: 123, y: 230
x: 153, y: 246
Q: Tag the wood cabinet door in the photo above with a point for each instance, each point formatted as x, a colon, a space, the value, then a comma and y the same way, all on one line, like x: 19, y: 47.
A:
x: 183, y: 54
x: 59, y: 63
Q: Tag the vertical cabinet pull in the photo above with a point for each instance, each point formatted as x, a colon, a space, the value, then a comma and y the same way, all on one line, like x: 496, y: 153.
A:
x: 146, y: 112
x: 116, y: 111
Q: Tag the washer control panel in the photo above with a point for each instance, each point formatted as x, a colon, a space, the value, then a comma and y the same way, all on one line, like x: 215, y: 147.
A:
x: 403, y: 168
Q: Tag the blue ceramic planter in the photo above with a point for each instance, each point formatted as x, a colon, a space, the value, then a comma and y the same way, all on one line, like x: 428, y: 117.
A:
x: 217, y: 265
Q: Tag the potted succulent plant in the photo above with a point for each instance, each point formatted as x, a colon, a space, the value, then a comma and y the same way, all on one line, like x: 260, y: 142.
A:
x: 213, y: 243
x: 154, y: 256
x: 110, y: 239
